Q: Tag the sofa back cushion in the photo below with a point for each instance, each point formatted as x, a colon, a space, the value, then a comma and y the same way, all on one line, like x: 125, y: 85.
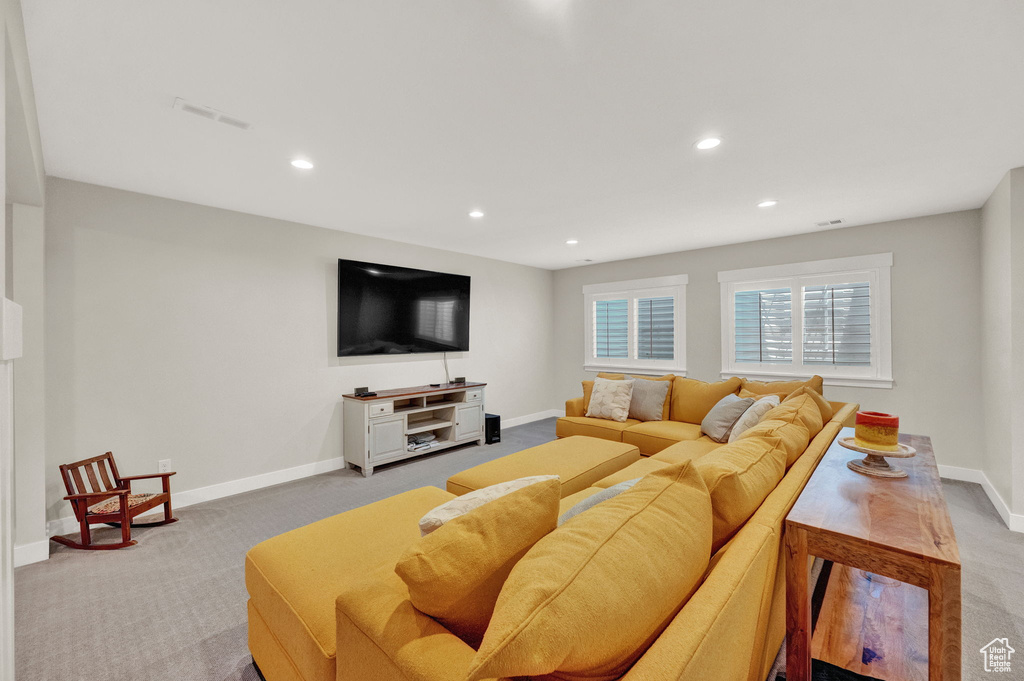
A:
x: 780, y: 388
x: 456, y: 572
x: 588, y: 389
x: 824, y: 406
x: 571, y: 606
x: 793, y: 436
x: 739, y: 476
x: 693, y: 399
x: 800, y: 409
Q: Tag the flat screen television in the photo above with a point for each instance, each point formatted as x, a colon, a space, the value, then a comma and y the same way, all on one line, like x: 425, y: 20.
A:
x: 389, y: 310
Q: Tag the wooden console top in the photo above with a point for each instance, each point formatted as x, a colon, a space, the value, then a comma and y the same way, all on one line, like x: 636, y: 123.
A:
x: 414, y: 390
x: 906, y: 515
x: 890, y: 527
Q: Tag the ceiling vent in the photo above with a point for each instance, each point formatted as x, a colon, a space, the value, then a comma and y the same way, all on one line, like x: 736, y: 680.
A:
x: 830, y: 223
x: 210, y: 114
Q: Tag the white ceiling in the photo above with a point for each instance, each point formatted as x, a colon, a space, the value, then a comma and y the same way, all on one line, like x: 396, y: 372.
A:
x: 559, y: 118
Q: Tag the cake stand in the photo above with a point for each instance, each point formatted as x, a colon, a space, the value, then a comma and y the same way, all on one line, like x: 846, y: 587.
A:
x: 874, y: 464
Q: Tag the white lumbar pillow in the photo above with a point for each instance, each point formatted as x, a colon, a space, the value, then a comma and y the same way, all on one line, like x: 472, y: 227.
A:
x: 450, y: 510
x: 610, y: 399
x: 753, y: 415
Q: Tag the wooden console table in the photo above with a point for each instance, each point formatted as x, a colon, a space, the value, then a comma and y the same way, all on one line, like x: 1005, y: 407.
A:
x: 894, y: 527
x: 376, y: 428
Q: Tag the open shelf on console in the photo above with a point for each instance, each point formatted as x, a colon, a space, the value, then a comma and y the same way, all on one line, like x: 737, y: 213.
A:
x: 425, y: 425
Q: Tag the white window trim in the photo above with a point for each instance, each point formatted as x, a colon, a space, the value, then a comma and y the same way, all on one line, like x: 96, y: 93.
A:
x: 876, y: 269
x: 674, y: 285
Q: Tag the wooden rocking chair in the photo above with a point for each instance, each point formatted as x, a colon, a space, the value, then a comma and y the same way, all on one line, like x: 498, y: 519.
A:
x: 101, y: 496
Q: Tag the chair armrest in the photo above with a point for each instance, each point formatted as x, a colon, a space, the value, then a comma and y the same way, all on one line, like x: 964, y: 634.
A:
x: 380, y: 635
x: 147, y: 477
x: 87, y: 495
x: 574, y: 407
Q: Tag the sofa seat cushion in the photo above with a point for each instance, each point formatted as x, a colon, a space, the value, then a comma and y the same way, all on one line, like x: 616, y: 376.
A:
x: 631, y: 472
x: 567, y: 426
x: 653, y: 436
x: 294, y: 578
x: 687, y: 450
x: 578, y: 461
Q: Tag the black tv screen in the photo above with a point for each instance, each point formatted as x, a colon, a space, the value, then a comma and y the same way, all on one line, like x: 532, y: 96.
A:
x: 389, y: 310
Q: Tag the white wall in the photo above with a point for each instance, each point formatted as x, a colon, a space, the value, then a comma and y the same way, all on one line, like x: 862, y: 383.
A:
x: 1002, y: 355
x: 30, y: 539
x: 935, y: 318
x: 996, y: 348
x: 20, y: 176
x: 208, y: 337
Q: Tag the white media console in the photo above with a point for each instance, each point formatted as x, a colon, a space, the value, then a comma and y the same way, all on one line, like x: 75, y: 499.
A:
x: 377, y: 428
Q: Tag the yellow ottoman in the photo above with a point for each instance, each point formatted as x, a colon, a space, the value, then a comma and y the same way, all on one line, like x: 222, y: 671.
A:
x: 579, y: 461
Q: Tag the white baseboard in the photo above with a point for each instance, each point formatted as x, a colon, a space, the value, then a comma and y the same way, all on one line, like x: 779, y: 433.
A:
x: 25, y: 554
x: 530, y: 418
x: 68, y: 524
x: 1014, y: 521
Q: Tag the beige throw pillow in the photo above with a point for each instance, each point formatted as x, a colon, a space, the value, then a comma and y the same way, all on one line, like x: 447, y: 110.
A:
x: 458, y: 506
x: 610, y: 399
x: 648, y: 401
x: 753, y: 415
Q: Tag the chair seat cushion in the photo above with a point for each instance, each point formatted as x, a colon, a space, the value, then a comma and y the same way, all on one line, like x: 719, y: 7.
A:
x: 294, y: 578
x: 567, y: 426
x: 114, y: 505
x: 653, y: 436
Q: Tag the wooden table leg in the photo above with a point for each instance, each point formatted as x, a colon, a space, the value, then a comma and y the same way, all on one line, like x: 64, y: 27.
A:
x: 798, y: 607
x: 944, y: 624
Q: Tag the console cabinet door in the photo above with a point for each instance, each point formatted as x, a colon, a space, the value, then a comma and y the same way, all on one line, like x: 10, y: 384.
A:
x: 387, y: 437
x: 468, y: 421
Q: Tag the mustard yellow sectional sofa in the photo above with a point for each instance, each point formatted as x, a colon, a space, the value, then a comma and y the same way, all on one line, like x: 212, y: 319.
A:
x: 687, y: 403
x: 326, y: 603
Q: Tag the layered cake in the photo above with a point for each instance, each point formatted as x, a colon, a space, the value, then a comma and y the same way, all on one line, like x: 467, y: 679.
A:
x: 875, y: 430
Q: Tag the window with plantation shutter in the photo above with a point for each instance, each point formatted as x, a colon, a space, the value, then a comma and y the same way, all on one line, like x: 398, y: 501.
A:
x: 830, y: 317
x: 764, y: 326
x: 636, y: 325
x: 837, y: 324
x: 655, y: 328
x: 611, y: 328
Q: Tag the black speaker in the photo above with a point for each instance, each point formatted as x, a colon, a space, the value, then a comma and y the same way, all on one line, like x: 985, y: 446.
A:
x: 492, y: 429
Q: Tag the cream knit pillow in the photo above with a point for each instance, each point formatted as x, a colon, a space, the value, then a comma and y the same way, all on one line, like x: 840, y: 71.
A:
x: 753, y: 415
x: 449, y: 510
x: 610, y: 399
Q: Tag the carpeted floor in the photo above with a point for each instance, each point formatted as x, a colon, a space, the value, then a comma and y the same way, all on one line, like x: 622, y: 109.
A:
x: 173, y: 607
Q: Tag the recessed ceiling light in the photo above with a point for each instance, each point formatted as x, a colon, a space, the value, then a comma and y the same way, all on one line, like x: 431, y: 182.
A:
x: 302, y: 164
x: 572, y: 242
x: 476, y: 214
x: 767, y: 203
x: 708, y: 143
